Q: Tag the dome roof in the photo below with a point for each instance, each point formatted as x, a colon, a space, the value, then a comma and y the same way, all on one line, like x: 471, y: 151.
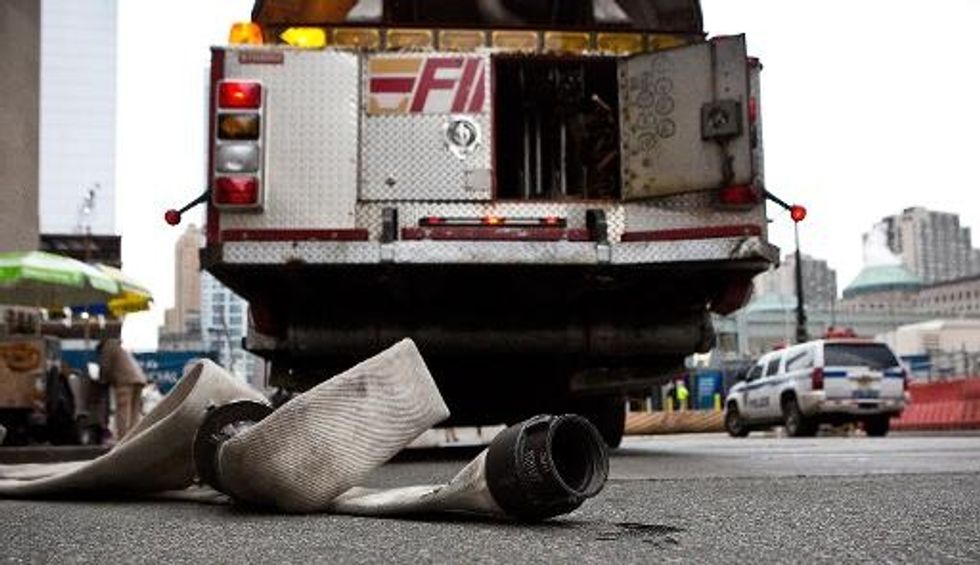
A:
x: 878, y: 278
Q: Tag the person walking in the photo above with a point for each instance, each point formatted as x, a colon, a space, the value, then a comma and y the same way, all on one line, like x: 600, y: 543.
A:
x: 119, y: 369
x: 682, y: 394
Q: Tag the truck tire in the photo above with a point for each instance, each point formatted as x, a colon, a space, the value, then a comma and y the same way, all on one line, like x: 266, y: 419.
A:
x: 877, y: 426
x: 734, y: 424
x: 608, y: 415
x: 797, y: 425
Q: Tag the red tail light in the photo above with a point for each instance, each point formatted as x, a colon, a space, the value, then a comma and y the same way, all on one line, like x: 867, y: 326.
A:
x: 753, y: 110
x: 240, y: 95
x: 739, y: 195
x: 816, y: 379
x: 236, y: 191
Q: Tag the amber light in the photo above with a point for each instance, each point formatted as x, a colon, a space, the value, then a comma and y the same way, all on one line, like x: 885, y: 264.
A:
x: 305, y: 37
x: 238, y: 126
x: 619, y: 43
x: 240, y: 95
x: 515, y: 40
x: 461, y: 39
x: 245, y: 33
x: 566, y: 42
x: 357, y: 38
x: 410, y: 39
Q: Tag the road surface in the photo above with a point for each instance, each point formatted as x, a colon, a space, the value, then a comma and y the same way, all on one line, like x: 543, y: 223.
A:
x: 692, y: 498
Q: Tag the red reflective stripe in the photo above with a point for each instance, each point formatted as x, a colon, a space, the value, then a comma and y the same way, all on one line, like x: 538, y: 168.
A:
x: 449, y: 233
x: 476, y: 105
x: 356, y: 234
x: 396, y: 85
x: 693, y: 233
x: 465, y: 84
x: 428, y: 81
x: 213, y: 223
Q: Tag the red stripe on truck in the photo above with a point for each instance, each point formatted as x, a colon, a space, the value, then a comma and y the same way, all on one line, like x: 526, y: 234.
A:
x: 710, y: 232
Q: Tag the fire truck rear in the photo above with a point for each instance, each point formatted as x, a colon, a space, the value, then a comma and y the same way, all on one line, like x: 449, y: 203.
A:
x: 550, y: 198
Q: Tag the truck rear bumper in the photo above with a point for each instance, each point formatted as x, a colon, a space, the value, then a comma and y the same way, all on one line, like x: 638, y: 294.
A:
x: 494, y: 252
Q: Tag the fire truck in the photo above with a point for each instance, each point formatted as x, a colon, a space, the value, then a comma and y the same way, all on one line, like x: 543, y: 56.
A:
x: 550, y: 197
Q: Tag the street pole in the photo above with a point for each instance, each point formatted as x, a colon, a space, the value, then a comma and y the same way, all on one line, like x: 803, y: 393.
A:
x: 797, y: 213
x: 801, y: 333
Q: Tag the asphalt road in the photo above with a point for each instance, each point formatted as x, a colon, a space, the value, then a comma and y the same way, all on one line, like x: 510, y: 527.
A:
x: 704, y: 499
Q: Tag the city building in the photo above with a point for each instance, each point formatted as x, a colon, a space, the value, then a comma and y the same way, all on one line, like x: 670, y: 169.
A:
x: 882, y: 288
x: 819, y: 281
x: 932, y: 245
x: 183, y: 321
x: 224, y: 322
x: 78, y: 117
x: 958, y: 298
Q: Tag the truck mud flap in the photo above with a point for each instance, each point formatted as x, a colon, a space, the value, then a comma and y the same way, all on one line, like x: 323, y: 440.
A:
x: 311, y: 454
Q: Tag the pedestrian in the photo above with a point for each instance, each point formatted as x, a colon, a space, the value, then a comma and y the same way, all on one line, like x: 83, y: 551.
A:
x: 682, y: 394
x: 119, y: 369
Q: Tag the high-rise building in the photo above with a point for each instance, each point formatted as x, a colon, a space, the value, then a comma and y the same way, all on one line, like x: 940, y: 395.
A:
x: 185, y: 317
x: 932, y: 245
x: 819, y: 281
x: 78, y: 117
x: 224, y: 322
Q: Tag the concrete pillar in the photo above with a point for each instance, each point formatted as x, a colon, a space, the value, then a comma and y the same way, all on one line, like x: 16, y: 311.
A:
x: 20, y: 69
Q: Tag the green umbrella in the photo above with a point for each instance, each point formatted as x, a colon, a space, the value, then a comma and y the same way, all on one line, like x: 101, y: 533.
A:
x: 45, y: 280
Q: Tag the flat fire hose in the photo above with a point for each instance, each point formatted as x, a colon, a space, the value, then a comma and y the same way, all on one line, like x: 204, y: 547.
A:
x: 313, y: 453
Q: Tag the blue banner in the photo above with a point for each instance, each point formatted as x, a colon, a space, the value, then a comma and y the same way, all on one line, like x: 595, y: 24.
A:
x: 163, y: 368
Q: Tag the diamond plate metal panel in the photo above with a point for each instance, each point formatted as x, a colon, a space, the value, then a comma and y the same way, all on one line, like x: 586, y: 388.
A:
x: 558, y: 252
x: 720, y: 249
x: 689, y: 210
x: 314, y: 252
x: 409, y: 156
x: 536, y: 253
x: 311, y: 132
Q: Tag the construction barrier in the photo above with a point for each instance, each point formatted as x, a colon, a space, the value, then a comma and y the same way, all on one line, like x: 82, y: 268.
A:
x: 946, y: 405
x: 674, y: 422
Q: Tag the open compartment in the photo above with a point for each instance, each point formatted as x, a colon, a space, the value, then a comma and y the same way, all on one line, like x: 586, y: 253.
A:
x: 556, y: 128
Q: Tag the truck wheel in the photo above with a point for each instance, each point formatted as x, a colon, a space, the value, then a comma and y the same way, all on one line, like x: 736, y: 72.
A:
x: 608, y: 415
x: 877, y: 426
x: 797, y: 425
x: 734, y: 424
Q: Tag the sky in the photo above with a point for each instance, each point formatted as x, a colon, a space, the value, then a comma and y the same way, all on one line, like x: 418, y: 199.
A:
x: 867, y: 107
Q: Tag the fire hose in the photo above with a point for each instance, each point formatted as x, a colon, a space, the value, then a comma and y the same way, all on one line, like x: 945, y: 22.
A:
x: 314, y: 453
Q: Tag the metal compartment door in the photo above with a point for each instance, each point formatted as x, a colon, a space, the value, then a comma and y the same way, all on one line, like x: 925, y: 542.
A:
x: 683, y: 118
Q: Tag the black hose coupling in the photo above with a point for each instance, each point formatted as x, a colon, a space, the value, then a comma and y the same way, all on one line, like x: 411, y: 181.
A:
x: 546, y: 466
x: 221, y: 424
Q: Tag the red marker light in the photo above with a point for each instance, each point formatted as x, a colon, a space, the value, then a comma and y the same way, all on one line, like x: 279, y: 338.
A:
x: 739, y: 195
x: 236, y: 191
x: 172, y: 217
x: 240, y: 95
x: 797, y: 212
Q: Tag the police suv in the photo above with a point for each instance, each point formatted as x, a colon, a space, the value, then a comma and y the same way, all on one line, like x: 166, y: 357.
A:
x: 823, y: 381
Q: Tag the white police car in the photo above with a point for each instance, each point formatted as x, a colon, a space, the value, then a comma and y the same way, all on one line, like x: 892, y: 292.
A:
x: 826, y: 380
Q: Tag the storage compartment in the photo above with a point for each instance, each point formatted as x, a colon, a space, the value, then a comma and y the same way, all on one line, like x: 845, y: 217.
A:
x: 556, y: 128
